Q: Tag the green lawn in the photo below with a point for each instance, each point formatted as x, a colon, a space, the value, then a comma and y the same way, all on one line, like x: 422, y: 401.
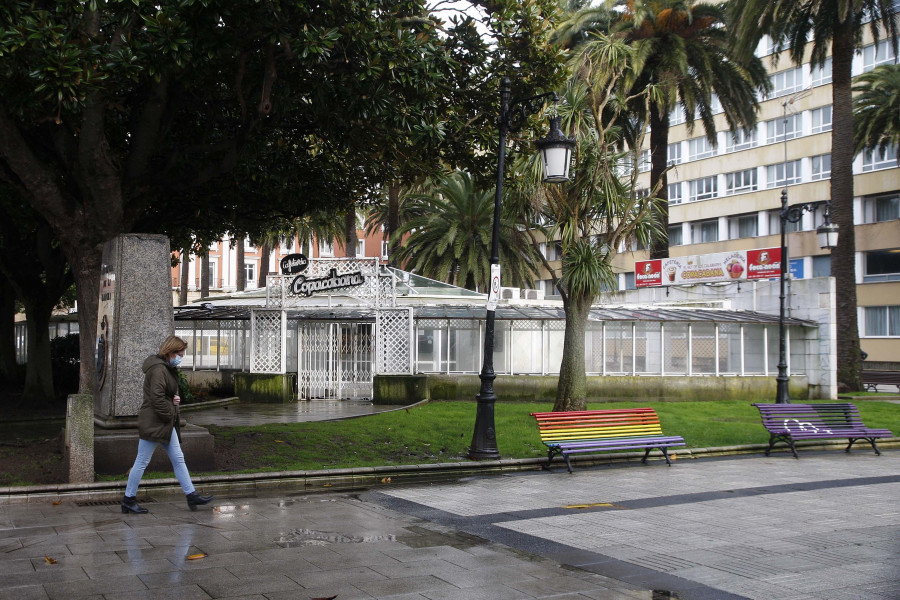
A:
x: 442, y: 432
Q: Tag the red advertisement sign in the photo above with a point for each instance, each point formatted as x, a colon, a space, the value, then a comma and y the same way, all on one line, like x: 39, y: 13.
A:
x: 648, y: 273
x: 763, y: 263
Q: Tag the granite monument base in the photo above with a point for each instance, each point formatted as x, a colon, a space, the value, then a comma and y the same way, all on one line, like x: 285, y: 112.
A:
x: 115, y: 449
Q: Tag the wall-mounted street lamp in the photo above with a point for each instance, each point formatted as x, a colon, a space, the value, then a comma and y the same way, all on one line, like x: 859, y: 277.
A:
x: 556, y: 154
x: 827, y: 236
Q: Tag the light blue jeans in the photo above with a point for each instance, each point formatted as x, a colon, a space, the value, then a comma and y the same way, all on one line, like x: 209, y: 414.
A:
x: 145, y: 453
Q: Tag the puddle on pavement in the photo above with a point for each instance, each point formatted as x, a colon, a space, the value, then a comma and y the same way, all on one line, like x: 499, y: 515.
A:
x: 664, y: 595
x: 425, y: 538
x: 311, y: 537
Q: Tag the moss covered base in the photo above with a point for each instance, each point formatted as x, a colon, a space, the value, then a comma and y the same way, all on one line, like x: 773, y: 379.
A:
x: 265, y: 387
x: 401, y: 389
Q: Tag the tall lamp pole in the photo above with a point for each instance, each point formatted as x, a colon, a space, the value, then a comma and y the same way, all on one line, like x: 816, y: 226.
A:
x: 827, y: 235
x: 556, y: 150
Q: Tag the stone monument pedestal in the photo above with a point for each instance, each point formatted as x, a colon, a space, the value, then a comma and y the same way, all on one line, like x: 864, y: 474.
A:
x: 116, y: 448
x: 134, y: 316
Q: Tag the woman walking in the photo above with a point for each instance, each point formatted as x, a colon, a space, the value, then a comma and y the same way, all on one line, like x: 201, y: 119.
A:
x: 156, y: 424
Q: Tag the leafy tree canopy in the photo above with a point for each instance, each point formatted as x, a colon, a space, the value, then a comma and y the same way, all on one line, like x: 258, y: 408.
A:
x: 199, y: 117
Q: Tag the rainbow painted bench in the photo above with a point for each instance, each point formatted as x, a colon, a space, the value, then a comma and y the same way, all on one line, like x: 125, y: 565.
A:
x: 568, y: 433
x: 791, y: 422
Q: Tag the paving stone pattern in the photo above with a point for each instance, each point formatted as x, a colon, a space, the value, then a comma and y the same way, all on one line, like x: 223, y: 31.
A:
x: 824, y: 527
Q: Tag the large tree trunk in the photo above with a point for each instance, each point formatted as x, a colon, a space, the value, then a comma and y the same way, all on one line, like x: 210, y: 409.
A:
x: 571, y: 392
x: 393, y: 222
x: 85, y: 261
x: 659, y: 156
x: 350, y: 239
x: 9, y: 370
x: 241, y: 275
x: 843, y: 258
x: 204, y: 276
x: 185, y: 279
x: 38, y: 390
x: 264, y: 251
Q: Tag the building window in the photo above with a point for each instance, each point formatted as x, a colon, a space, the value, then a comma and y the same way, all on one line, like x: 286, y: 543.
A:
x: 360, y: 247
x: 644, y: 161
x: 676, y: 235
x: 248, y: 245
x: 250, y: 274
x: 673, y: 156
x: 743, y: 226
x: 674, y: 193
x: 385, y: 248
x: 881, y: 53
x: 882, y: 265
x: 821, y: 265
x: 740, y: 181
x: 702, y: 189
x: 700, y: 147
x: 214, y: 282
x: 326, y: 249
x: 783, y: 174
x: 775, y: 224
x: 741, y: 139
x: 884, y: 208
x: 874, y: 160
x: 287, y: 245
x: 629, y: 281
x: 822, y: 75
x: 705, y: 231
x: 821, y: 119
x: 786, y: 82
x: 676, y: 117
x: 785, y: 128
x: 882, y: 321
x: 821, y: 167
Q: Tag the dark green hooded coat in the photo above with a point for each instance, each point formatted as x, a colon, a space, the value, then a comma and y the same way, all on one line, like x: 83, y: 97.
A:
x: 156, y: 418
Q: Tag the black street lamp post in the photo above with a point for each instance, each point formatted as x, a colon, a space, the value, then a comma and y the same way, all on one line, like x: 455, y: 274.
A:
x: 827, y: 234
x: 556, y: 150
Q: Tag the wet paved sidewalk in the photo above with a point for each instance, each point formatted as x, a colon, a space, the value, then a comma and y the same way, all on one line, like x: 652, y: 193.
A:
x: 824, y: 527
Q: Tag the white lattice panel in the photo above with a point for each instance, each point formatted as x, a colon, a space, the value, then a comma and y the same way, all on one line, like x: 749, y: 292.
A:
x: 267, y: 341
x: 394, y: 341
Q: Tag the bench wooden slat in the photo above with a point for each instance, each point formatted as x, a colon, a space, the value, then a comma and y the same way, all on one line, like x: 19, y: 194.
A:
x: 789, y: 422
x: 871, y: 378
x: 566, y: 433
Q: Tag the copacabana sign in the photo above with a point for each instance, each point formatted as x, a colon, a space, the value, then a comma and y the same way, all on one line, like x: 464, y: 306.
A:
x: 763, y: 263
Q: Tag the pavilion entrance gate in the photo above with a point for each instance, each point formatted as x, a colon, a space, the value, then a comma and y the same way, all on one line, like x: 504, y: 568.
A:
x: 335, y: 360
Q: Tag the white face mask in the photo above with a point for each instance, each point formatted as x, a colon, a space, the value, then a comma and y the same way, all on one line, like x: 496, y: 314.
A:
x: 176, y: 360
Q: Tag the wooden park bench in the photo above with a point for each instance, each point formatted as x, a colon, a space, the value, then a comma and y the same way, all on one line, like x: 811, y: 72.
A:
x: 792, y: 422
x: 568, y: 433
x: 871, y: 379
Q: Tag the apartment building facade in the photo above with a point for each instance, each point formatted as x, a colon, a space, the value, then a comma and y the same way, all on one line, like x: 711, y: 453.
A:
x: 727, y: 196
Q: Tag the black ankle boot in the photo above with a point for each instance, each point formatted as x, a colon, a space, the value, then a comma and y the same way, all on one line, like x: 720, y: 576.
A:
x: 130, y: 505
x: 194, y: 500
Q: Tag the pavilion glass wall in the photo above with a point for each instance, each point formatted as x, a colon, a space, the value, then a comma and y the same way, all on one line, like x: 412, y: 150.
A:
x: 534, y: 347
x: 217, y: 345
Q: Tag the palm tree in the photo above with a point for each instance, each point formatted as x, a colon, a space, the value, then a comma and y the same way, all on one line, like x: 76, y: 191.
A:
x: 682, y: 53
x: 835, y: 25
x: 450, y: 237
x: 600, y: 209
x: 876, y: 109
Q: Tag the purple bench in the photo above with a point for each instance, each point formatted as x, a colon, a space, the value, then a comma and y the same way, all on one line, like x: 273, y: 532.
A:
x: 791, y: 422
